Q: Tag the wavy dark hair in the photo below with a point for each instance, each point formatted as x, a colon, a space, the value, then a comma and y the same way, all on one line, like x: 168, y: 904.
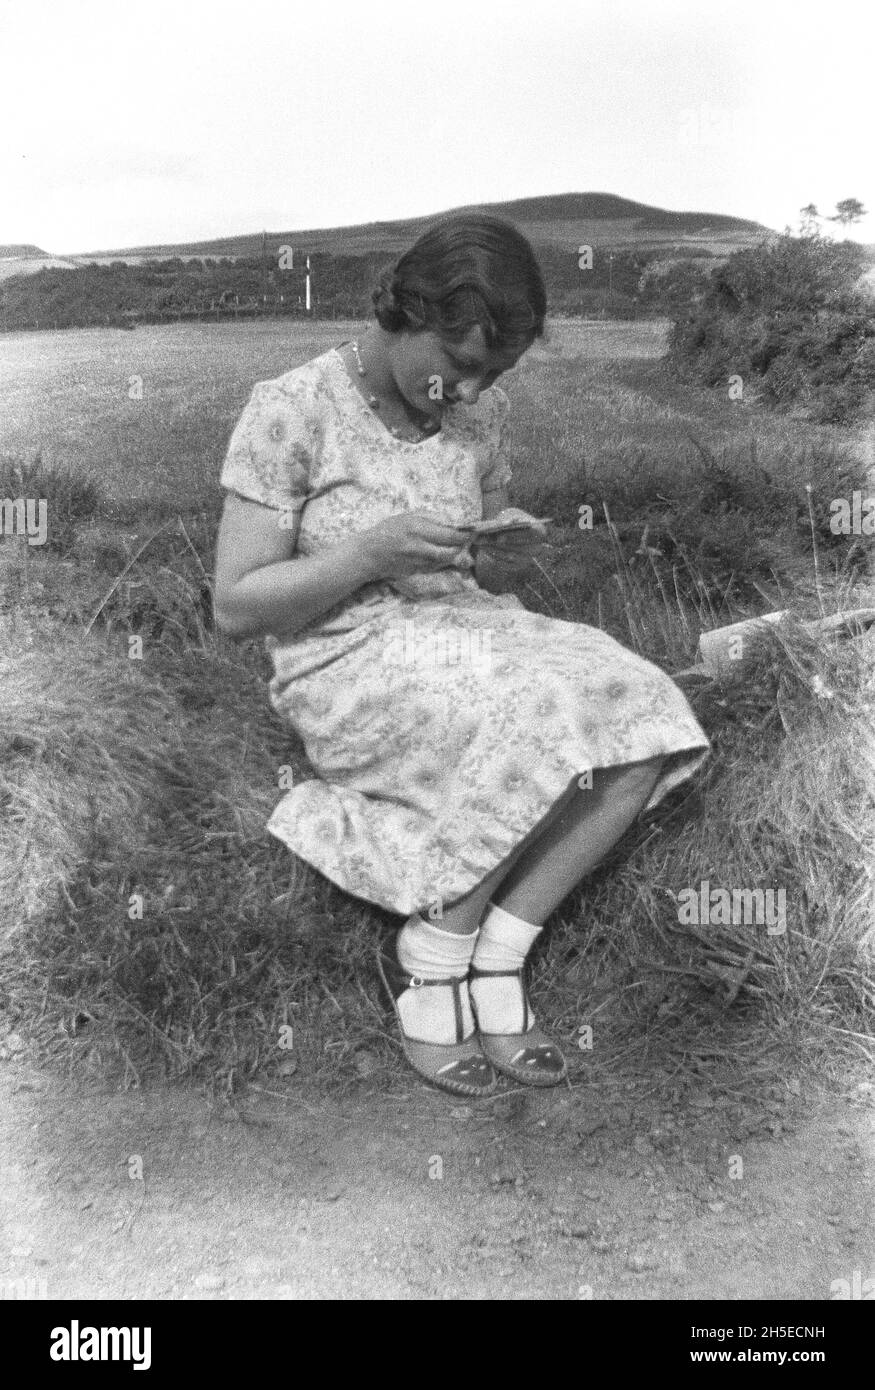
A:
x: 465, y: 270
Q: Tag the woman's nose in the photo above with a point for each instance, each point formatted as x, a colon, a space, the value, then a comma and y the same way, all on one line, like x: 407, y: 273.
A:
x: 468, y: 391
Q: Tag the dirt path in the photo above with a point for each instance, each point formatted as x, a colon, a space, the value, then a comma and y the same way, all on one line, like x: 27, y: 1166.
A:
x: 608, y: 1191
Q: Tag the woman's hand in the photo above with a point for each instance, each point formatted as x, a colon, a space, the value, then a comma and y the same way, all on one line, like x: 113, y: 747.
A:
x: 512, y: 550
x: 411, y: 543
x: 502, y: 562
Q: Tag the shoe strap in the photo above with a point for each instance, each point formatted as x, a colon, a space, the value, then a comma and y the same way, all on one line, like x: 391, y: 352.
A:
x: 421, y: 983
x: 476, y: 970
x: 417, y: 982
x: 456, y: 983
x: 519, y: 974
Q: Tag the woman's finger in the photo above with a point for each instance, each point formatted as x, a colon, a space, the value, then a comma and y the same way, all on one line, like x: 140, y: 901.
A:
x: 432, y: 528
x: 518, y: 543
x: 447, y: 536
x: 441, y: 556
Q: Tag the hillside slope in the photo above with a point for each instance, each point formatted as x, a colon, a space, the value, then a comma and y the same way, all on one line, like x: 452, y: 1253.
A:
x: 23, y: 258
x: 19, y: 250
x: 562, y: 220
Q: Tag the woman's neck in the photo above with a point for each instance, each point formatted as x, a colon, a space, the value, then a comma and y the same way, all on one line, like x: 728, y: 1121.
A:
x: 376, y: 358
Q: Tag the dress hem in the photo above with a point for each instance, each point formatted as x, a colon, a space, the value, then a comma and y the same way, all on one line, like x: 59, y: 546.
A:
x: 686, y: 762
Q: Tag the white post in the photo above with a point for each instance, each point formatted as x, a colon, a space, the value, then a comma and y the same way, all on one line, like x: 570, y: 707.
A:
x: 308, y: 285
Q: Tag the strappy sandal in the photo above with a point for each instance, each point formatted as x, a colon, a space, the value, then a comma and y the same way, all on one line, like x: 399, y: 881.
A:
x: 458, y: 1067
x: 528, y: 1056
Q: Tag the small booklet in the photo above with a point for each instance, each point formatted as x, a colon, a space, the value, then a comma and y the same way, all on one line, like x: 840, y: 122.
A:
x: 499, y: 526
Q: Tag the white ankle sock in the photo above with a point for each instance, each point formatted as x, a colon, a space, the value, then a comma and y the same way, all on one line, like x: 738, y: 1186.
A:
x: 428, y: 1014
x: 503, y: 944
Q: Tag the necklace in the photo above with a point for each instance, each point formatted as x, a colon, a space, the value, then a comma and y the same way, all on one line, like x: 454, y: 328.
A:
x: 374, y: 402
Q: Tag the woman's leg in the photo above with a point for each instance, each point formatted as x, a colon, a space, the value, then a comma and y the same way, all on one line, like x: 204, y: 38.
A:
x: 570, y: 840
x: 567, y: 844
x: 576, y: 841
x: 570, y: 847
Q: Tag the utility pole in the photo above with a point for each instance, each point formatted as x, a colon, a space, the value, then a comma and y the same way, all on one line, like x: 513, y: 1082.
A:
x: 264, y: 269
x: 308, y: 286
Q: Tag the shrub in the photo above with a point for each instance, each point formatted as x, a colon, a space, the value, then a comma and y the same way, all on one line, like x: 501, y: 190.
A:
x: 788, y: 316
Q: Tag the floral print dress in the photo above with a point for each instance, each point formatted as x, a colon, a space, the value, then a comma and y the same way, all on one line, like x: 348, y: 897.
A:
x: 442, y: 722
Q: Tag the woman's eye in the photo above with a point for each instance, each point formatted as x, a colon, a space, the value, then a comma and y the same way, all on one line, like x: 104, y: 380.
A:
x: 468, y: 371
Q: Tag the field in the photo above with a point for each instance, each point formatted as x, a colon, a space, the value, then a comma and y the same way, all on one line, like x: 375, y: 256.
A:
x: 67, y: 394
x: 151, y: 931
x: 29, y: 265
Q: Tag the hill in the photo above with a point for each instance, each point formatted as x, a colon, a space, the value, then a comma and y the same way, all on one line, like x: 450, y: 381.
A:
x: 22, y: 258
x: 232, y: 276
x: 560, y: 220
x: 19, y: 250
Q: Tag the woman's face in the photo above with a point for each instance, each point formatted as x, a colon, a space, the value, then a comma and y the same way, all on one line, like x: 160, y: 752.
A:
x: 431, y: 372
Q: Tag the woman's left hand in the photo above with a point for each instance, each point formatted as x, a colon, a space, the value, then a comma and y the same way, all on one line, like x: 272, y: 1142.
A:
x: 501, y: 565
x: 513, y: 549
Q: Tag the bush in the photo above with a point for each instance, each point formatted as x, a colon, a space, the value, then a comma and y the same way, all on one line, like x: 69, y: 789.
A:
x: 674, y: 287
x: 790, y: 318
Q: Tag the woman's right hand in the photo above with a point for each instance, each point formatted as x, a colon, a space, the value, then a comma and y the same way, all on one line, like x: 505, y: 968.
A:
x: 410, y: 543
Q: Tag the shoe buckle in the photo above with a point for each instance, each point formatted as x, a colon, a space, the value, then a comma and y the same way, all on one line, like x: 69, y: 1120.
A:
x: 416, y: 981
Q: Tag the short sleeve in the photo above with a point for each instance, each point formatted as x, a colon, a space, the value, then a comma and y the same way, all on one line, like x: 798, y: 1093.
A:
x: 496, y: 471
x: 270, y: 454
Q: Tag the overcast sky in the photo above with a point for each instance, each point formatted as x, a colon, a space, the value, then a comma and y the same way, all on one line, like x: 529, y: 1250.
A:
x: 129, y: 123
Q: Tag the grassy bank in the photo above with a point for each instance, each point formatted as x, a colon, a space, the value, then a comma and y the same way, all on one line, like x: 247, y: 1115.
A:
x: 150, y: 925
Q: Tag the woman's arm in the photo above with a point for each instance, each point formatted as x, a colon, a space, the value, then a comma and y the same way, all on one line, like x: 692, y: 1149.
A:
x: 500, y: 567
x: 261, y: 589
x: 495, y: 500
x: 491, y: 576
